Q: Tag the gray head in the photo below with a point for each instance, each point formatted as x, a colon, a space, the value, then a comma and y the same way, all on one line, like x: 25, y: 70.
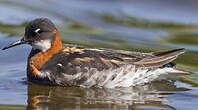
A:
x: 39, y: 33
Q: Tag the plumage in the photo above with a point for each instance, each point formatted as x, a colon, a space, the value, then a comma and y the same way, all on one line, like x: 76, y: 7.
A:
x: 75, y: 65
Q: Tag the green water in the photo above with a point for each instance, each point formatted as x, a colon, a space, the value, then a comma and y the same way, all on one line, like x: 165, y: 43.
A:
x: 129, y: 25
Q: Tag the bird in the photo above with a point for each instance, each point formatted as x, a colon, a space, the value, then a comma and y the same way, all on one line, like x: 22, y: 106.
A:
x: 51, y: 62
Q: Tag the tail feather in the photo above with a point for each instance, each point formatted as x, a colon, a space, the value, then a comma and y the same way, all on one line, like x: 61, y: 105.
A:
x: 176, y: 51
x: 181, y: 71
x: 159, y: 58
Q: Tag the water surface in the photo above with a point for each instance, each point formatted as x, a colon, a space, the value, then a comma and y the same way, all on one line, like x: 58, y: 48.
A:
x: 132, y: 25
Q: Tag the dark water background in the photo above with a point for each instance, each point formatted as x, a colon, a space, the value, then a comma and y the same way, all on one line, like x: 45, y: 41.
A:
x: 135, y: 25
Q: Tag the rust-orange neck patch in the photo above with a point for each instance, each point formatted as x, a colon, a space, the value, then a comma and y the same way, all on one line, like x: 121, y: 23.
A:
x: 38, y: 60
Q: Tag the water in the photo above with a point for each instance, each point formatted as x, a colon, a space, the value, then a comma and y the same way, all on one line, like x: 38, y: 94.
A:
x: 120, y: 24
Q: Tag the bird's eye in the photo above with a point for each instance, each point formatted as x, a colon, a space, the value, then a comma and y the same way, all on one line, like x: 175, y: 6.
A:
x: 38, y: 31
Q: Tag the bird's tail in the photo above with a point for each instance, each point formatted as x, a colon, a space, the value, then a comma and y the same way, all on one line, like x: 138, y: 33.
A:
x: 181, y: 71
x: 175, y: 53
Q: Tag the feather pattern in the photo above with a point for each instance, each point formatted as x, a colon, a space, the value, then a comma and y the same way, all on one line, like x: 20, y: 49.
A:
x: 87, y: 67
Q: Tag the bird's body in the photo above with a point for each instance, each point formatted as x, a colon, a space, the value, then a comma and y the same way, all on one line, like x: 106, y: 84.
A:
x: 76, y: 65
x: 52, y: 63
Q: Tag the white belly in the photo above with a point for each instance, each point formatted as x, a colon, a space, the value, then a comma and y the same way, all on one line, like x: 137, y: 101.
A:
x: 124, y: 76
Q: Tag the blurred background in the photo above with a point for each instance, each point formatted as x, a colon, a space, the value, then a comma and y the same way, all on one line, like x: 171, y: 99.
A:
x: 134, y: 25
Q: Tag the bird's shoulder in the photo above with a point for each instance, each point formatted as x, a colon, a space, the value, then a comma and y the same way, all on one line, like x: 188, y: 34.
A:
x: 85, y: 54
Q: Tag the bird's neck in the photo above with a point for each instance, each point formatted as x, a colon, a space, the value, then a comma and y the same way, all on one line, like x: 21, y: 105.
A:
x: 38, y: 58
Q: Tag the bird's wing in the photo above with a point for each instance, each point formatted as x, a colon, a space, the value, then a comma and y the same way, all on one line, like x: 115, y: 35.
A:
x: 146, y: 60
x: 74, y: 62
x: 74, y: 59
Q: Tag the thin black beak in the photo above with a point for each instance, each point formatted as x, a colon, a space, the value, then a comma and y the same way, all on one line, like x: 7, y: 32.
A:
x: 22, y: 41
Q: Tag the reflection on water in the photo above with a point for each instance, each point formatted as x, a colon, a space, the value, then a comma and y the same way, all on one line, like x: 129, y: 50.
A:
x: 60, y: 98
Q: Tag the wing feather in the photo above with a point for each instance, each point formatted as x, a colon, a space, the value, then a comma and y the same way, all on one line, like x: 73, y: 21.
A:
x: 159, y: 58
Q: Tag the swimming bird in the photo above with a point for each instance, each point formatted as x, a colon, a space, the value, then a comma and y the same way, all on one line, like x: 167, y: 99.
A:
x: 52, y: 63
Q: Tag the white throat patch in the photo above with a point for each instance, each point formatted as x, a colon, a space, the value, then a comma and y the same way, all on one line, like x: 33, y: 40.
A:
x: 42, y: 45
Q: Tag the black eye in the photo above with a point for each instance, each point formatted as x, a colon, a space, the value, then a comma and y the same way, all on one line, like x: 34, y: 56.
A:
x: 39, y: 32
